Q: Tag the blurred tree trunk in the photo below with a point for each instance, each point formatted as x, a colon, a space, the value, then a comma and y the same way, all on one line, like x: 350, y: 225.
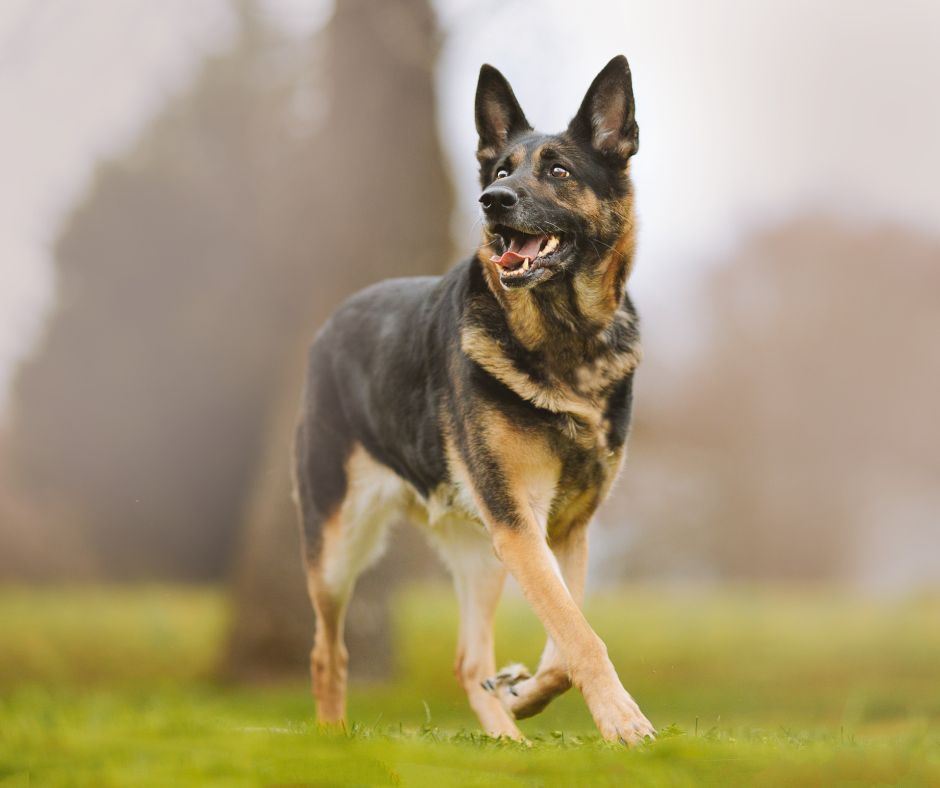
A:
x: 381, y: 204
x: 136, y: 423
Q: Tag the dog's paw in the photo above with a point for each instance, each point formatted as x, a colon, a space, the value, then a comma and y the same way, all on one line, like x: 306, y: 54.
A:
x: 619, y: 719
x: 524, y: 695
x: 503, y: 684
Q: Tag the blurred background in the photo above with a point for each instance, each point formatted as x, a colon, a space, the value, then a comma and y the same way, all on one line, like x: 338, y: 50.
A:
x: 189, y: 189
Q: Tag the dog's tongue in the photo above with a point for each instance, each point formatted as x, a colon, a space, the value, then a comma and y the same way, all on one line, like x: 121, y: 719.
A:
x: 520, y: 247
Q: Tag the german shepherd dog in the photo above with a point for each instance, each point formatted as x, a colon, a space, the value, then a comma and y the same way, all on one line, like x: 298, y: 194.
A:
x: 491, y: 406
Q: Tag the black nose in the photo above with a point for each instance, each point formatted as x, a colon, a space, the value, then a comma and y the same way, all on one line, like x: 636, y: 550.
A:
x: 496, y: 197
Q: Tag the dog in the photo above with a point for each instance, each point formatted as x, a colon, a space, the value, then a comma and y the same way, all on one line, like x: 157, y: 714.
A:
x: 491, y: 406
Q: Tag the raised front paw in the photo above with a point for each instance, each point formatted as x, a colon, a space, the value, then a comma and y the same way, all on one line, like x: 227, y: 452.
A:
x: 619, y: 718
x: 507, y: 678
x: 503, y: 684
x: 523, y: 695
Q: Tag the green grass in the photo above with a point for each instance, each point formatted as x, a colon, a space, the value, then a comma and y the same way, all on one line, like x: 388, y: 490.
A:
x: 107, y: 686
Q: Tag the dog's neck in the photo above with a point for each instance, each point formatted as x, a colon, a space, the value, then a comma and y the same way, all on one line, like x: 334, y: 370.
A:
x: 568, y: 315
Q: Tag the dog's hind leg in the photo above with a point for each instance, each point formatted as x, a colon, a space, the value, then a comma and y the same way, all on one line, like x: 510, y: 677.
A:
x: 524, y: 695
x: 478, y: 580
x: 349, y: 541
x: 329, y: 659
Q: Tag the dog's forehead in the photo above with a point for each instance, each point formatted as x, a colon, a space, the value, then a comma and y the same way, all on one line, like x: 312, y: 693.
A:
x: 529, y: 150
x: 532, y: 146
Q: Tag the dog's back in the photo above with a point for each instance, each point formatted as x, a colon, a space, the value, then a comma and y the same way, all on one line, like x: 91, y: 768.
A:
x: 370, y: 382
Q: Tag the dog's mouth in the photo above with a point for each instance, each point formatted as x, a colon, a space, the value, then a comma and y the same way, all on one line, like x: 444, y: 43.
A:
x: 528, y: 258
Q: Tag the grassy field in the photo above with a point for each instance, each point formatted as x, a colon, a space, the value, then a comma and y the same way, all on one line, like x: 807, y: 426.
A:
x: 105, y: 687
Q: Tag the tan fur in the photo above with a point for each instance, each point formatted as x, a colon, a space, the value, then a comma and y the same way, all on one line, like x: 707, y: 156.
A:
x: 554, y: 588
x: 594, y: 376
x: 485, y: 350
x: 528, y: 558
x: 600, y: 292
x: 523, y: 315
x: 621, y: 258
x: 531, y: 695
x: 478, y: 581
x: 530, y: 469
x: 588, y: 427
x: 352, y: 539
x: 328, y: 659
x: 486, y: 153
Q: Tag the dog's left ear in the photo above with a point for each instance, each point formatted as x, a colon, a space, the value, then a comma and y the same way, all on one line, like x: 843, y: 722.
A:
x: 498, y: 114
x: 606, y: 119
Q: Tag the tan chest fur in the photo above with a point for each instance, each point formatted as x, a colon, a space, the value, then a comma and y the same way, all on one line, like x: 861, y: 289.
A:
x: 577, y: 394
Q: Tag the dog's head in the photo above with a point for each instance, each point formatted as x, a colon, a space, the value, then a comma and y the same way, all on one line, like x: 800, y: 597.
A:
x: 554, y: 203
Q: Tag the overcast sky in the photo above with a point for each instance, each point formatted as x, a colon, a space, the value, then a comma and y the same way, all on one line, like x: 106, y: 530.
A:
x: 749, y: 113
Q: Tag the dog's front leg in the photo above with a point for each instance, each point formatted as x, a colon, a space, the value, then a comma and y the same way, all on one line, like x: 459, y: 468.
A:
x: 524, y: 695
x: 524, y: 551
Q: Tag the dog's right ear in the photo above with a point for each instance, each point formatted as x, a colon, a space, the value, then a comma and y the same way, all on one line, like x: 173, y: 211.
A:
x: 607, y: 118
x: 498, y: 114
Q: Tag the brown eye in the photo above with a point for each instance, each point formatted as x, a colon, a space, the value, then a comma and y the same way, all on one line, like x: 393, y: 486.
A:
x: 503, y: 173
x: 559, y: 172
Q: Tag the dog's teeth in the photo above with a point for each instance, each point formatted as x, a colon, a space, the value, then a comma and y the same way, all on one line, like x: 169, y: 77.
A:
x: 550, y: 246
x: 525, y: 264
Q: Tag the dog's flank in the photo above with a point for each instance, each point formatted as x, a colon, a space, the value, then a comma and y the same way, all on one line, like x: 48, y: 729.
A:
x: 491, y: 406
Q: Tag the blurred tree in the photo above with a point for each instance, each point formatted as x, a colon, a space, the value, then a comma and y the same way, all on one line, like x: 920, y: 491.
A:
x: 141, y: 411
x: 158, y: 409
x: 383, y: 210
x: 37, y: 542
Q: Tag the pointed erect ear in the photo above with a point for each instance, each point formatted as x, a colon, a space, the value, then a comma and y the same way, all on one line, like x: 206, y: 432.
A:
x: 606, y: 119
x: 498, y: 114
